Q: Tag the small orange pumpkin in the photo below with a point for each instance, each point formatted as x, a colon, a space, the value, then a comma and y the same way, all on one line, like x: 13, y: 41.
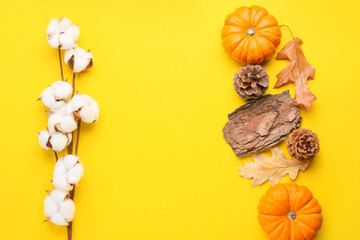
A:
x: 250, y: 34
x: 289, y: 212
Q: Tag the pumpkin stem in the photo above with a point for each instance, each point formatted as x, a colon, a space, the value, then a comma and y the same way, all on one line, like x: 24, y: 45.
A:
x: 287, y: 28
x: 291, y: 215
x: 250, y: 31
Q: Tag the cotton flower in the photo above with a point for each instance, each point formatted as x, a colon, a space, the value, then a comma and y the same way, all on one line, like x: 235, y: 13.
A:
x: 67, y: 172
x: 78, y: 59
x: 85, y: 107
x: 56, y: 140
x: 59, y: 208
x: 43, y: 138
x: 55, y: 96
x: 61, y: 123
x: 64, y: 110
x: 62, y: 90
x: 62, y: 33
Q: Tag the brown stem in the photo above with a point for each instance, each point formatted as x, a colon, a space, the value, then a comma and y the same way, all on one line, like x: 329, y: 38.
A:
x: 72, y: 193
x: 73, y: 84
x: 70, y: 147
x: 61, y: 68
x: 56, y: 156
x: 289, y: 29
x: 77, y: 137
x: 69, y: 227
x: 69, y: 231
x: 70, y: 150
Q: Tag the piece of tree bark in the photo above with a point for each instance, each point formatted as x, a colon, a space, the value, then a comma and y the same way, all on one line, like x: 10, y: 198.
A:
x: 261, y: 123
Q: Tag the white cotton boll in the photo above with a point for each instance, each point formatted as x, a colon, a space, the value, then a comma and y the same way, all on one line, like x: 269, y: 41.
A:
x: 70, y: 161
x: 78, y: 59
x: 77, y: 102
x: 67, y: 171
x: 67, y: 209
x: 74, y: 174
x: 43, y: 138
x: 47, y: 97
x: 67, y: 124
x: 64, y: 23
x: 47, y: 91
x: 57, y: 105
x: 54, y: 40
x: 62, y: 90
x: 96, y: 109
x: 53, y: 26
x: 60, y: 182
x: 86, y: 114
x: 66, y: 41
x: 80, y: 64
x: 87, y: 55
x: 60, y: 168
x: 58, y: 207
x: 58, y: 141
x: 62, y: 123
x: 55, y: 84
x: 68, y: 54
x: 61, y: 33
x: 50, y: 206
x: 60, y: 111
x: 60, y: 176
x: 89, y: 100
x: 58, y: 219
x: 54, y: 119
x: 53, y: 96
x: 58, y: 195
x: 90, y: 112
x: 74, y: 31
x: 64, y: 110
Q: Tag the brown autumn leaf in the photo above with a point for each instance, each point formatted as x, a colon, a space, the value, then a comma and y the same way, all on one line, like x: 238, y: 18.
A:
x: 271, y: 168
x: 298, y: 71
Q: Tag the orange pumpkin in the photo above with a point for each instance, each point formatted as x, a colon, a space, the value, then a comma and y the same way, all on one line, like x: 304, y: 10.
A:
x: 250, y: 34
x: 289, y: 212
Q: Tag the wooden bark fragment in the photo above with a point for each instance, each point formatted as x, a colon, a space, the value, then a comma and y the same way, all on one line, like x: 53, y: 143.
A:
x: 261, y: 123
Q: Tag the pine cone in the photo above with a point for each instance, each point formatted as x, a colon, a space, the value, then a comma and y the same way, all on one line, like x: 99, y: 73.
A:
x: 303, y: 144
x: 251, y: 81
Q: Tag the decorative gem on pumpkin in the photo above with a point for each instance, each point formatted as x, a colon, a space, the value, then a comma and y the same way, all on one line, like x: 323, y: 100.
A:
x: 251, y: 81
x: 303, y: 144
x: 62, y: 33
x: 250, y: 34
x: 289, y: 211
x: 78, y: 59
x: 67, y: 172
x: 59, y: 208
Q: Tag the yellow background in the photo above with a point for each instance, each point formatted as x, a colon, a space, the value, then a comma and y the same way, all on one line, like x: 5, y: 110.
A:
x: 156, y: 164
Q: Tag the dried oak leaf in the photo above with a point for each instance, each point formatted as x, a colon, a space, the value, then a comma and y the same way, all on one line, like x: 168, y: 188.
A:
x: 298, y: 71
x: 271, y: 168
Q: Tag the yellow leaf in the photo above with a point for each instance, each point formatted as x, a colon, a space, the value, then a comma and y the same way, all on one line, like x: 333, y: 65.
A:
x: 271, y: 168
